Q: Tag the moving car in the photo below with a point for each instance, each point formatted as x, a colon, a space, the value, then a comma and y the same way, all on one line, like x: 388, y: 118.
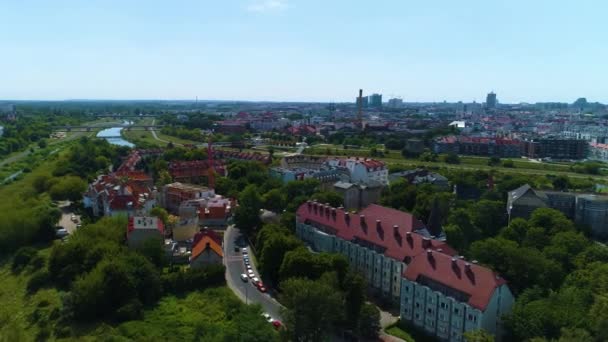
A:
x: 244, y: 277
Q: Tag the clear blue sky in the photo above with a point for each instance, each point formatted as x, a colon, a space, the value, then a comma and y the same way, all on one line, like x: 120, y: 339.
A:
x: 309, y: 50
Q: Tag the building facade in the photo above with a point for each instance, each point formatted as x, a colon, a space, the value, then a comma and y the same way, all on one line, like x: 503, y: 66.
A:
x: 391, y: 249
x: 141, y: 229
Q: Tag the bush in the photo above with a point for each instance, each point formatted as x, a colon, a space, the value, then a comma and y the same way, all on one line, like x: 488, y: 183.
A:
x: 193, y: 279
x: 22, y: 258
x: 508, y: 163
x: 38, y: 280
x: 130, y: 311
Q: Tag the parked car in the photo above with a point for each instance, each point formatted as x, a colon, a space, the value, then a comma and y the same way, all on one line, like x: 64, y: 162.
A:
x: 60, y: 233
x: 244, y: 250
x: 79, y: 225
x: 260, y: 286
x: 277, y: 324
x: 255, y: 280
x: 244, y: 277
x: 250, y: 274
x: 267, y: 317
x: 248, y: 266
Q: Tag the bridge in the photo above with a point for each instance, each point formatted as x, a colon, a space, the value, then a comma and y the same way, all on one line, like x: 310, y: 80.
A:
x: 91, y: 128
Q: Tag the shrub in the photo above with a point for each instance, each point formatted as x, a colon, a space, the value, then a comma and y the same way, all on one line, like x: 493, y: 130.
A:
x: 22, y: 258
x: 38, y: 280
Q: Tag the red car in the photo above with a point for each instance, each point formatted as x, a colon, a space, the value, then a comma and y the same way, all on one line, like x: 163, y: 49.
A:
x: 277, y: 324
x: 260, y: 286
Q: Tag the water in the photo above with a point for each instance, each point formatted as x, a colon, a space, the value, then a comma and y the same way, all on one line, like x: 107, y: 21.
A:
x: 112, y: 135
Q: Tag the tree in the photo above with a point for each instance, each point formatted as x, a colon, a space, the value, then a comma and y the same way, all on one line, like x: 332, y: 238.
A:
x: 42, y: 143
x: 598, y: 318
x: 354, y: 297
x: 369, y: 322
x: 551, y: 220
x: 561, y: 183
x: 68, y: 188
x: 274, y: 200
x: 494, y: 161
x: 333, y: 198
x: 275, y: 248
x: 516, y: 230
x: 161, y: 213
x: 247, y: 214
x: 451, y: 158
x: 312, y: 309
x: 478, y: 336
x: 488, y: 216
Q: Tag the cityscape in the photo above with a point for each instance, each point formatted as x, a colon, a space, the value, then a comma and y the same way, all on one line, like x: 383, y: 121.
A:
x: 281, y: 170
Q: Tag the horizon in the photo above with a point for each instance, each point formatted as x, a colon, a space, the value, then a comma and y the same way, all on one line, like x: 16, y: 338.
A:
x: 299, y: 51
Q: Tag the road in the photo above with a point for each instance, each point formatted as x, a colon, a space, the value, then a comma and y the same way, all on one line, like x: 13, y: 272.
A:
x: 235, y: 267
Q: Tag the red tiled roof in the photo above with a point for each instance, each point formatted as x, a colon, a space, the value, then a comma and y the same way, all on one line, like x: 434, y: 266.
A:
x: 405, y: 243
x: 131, y: 226
x: 474, y: 280
x: 206, y: 232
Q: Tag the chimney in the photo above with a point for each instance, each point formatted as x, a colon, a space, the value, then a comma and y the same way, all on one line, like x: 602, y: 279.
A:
x: 333, y: 213
x: 474, y: 262
x: 347, y: 218
x: 467, y: 266
x: 396, y: 231
x: 309, y: 204
x: 426, y: 242
x: 454, y: 264
x: 378, y: 224
x: 362, y: 219
x: 429, y: 253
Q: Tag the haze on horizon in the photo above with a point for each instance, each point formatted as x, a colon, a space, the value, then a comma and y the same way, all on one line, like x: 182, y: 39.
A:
x: 304, y: 50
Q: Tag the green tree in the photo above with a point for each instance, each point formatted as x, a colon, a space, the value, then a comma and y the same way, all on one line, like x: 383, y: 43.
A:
x: 478, y: 336
x: 247, y: 214
x: 161, y: 213
x: 275, y: 248
x: 312, y: 309
x: 333, y: 198
x: 68, y: 188
x: 369, y: 322
x: 488, y: 216
x: 451, y: 158
x: 274, y: 200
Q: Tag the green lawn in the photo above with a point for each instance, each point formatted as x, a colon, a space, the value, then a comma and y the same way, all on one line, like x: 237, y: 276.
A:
x: 398, y: 332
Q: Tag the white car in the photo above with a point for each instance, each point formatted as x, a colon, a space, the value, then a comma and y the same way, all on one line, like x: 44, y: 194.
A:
x: 244, y: 277
x: 267, y: 317
x: 255, y: 280
x: 250, y: 274
x: 244, y: 250
x: 248, y: 266
x: 60, y: 233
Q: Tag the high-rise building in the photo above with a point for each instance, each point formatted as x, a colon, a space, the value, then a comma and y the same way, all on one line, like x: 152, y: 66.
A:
x: 491, y: 100
x: 375, y: 100
x: 364, y: 101
x: 395, y: 103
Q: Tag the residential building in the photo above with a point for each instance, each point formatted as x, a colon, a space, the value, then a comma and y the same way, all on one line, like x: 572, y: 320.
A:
x: 174, y: 194
x: 206, y: 249
x: 598, y: 152
x: 422, y: 176
x: 362, y: 170
x: 436, y: 290
x: 395, y: 103
x: 447, y: 296
x: 213, y: 212
x: 582, y: 208
x: 195, y: 170
x: 126, y: 193
x: 556, y: 148
x: 142, y: 228
x: 479, y: 146
x: 356, y: 195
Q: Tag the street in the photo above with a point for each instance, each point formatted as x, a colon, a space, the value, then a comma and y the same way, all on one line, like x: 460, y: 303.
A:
x: 66, y: 214
x: 235, y: 266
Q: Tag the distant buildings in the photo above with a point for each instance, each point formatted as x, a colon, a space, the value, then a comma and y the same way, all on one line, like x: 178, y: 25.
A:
x: 395, y: 103
x: 437, y: 290
x: 422, y: 176
x: 356, y: 195
x: 598, y: 152
x: 589, y: 209
x: 195, y: 170
x: 491, y: 100
x: 479, y: 146
x: 556, y: 148
x: 126, y: 193
x: 362, y: 170
x: 375, y: 100
x: 172, y: 195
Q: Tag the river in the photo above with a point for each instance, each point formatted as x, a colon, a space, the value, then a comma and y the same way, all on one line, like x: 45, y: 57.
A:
x: 113, y: 136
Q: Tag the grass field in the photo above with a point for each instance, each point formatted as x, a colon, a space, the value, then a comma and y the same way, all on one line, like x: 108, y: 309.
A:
x: 398, y: 332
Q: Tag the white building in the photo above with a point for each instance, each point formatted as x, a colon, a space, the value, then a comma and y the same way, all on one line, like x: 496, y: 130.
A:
x: 362, y: 170
x: 436, y: 290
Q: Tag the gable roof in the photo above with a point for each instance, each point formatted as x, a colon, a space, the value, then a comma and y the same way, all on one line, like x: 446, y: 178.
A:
x: 200, y: 243
x: 475, y: 281
x: 376, y: 225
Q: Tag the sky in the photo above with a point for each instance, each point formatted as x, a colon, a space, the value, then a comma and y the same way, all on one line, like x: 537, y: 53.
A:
x: 304, y: 50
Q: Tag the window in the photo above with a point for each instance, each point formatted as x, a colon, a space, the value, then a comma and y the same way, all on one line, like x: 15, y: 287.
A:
x: 407, y: 289
x: 430, y: 310
x: 417, y: 316
x: 442, y: 305
x: 417, y: 305
x: 456, y: 311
